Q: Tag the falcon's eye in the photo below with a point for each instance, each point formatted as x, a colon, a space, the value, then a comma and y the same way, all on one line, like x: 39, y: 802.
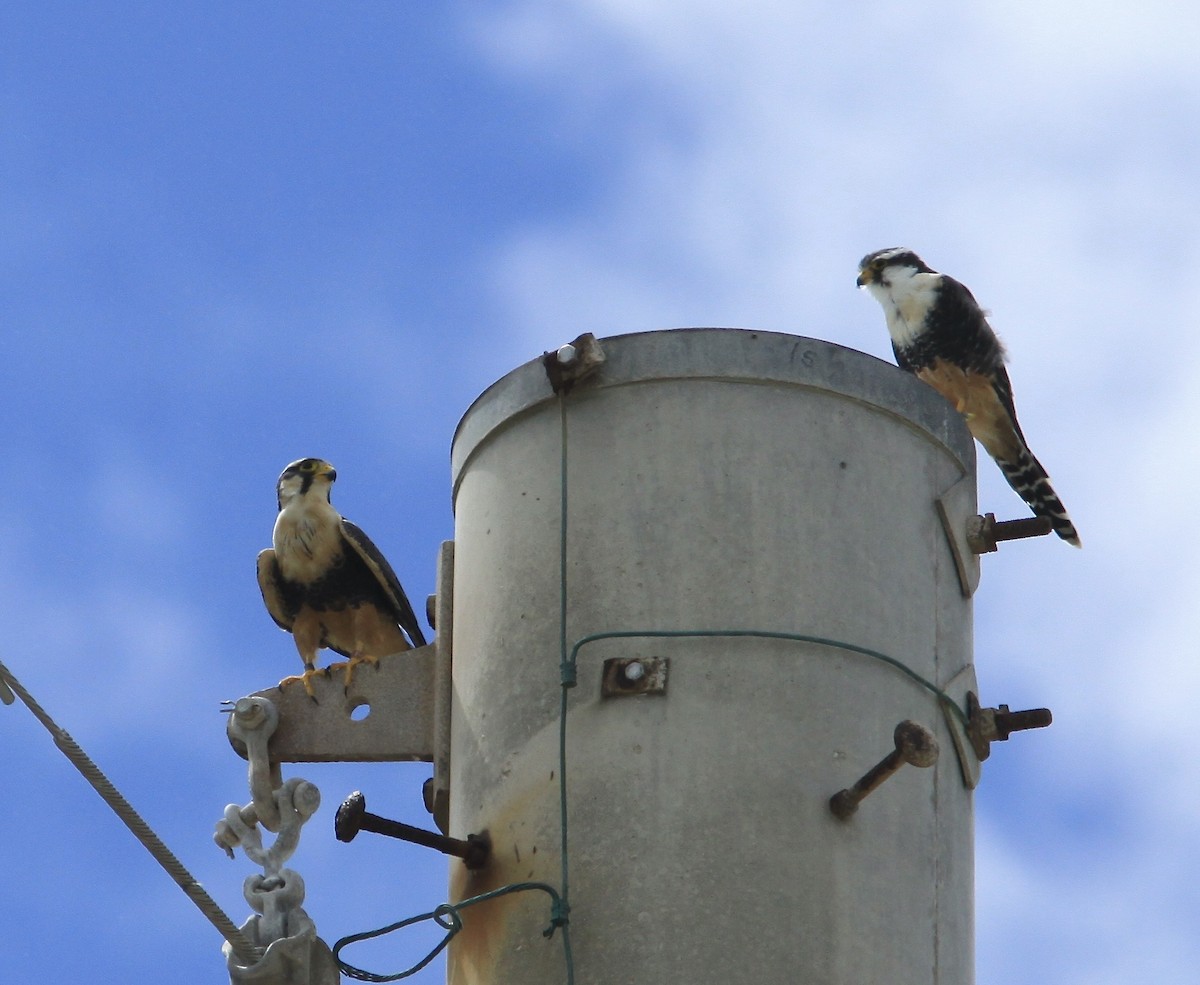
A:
x: 309, y: 466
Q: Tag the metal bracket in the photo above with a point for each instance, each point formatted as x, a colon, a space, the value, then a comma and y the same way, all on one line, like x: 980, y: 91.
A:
x: 437, y: 787
x: 397, y: 725
x: 955, y: 503
x: 626, y: 676
x: 572, y: 362
x: 963, y: 683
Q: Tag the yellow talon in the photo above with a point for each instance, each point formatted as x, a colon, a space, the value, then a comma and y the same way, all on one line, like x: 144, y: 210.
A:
x: 305, y: 679
x: 354, y: 662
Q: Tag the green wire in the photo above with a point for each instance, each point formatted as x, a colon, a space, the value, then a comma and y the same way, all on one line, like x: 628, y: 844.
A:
x: 907, y: 671
x: 447, y: 916
x: 564, y: 905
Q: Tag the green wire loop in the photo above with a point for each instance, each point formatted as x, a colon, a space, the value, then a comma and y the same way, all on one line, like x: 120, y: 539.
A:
x: 448, y: 916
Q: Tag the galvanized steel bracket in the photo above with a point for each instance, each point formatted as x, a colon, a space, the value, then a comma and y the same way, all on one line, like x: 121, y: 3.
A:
x: 385, y: 715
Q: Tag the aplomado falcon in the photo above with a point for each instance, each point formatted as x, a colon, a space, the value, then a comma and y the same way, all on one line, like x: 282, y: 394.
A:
x: 326, y: 583
x: 940, y: 334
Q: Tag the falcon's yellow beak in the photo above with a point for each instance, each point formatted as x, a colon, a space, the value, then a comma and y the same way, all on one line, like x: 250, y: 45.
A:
x: 865, y: 277
x: 327, y: 470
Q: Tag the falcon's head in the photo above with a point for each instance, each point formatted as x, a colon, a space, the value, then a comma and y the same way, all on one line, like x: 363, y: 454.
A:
x: 886, y: 267
x: 307, y: 477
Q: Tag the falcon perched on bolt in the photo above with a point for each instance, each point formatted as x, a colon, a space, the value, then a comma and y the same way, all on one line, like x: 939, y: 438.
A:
x: 940, y: 334
x: 326, y: 583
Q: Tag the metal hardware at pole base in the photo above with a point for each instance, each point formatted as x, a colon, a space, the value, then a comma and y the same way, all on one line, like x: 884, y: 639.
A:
x: 353, y: 817
x: 985, y: 532
x: 915, y: 744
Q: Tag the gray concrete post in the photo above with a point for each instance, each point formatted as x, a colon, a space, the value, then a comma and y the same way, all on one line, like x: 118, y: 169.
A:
x: 718, y: 479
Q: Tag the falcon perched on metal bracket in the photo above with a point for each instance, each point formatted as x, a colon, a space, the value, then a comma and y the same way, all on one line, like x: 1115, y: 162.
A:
x: 941, y: 335
x: 326, y: 583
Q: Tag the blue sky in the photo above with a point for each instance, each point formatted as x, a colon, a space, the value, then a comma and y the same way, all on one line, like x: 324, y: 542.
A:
x: 237, y: 234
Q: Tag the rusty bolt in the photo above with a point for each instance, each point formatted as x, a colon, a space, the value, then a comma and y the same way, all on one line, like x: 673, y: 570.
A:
x: 1008, y: 722
x: 985, y: 532
x: 915, y: 744
x: 352, y: 817
x: 988, y: 725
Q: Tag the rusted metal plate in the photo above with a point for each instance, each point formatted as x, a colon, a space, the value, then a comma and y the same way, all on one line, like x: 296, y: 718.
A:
x: 628, y: 676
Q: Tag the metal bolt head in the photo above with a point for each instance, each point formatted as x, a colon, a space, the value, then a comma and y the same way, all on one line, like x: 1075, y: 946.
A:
x: 916, y: 744
x: 567, y: 354
x: 628, y: 676
x: 347, y: 822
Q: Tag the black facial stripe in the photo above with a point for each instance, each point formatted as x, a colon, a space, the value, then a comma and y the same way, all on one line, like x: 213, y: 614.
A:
x: 905, y: 258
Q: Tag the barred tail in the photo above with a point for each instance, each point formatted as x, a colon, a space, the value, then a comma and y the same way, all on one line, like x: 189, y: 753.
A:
x: 1032, y: 484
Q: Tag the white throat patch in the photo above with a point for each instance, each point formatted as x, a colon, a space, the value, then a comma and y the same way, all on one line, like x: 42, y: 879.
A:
x: 906, y: 296
x: 307, y: 537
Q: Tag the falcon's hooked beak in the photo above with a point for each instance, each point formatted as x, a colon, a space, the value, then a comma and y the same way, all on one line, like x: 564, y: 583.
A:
x: 865, y: 277
x: 327, y: 470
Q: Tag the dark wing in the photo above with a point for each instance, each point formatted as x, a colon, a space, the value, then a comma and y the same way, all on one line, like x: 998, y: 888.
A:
x: 961, y: 333
x: 379, y: 567
x: 1003, y: 388
x: 269, y: 585
x: 956, y: 329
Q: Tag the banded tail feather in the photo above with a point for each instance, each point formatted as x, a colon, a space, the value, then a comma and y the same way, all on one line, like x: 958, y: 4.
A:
x: 1030, y: 481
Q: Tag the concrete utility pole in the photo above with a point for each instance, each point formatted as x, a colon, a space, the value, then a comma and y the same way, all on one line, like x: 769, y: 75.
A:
x: 717, y: 481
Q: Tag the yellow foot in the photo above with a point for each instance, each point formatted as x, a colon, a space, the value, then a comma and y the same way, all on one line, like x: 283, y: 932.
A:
x: 353, y: 662
x: 306, y: 679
